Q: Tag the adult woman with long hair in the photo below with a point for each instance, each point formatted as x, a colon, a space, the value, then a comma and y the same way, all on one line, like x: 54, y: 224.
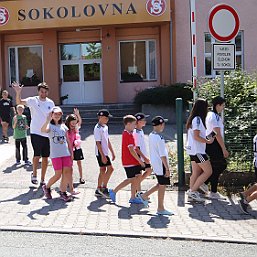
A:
x: 216, y: 151
x: 196, y: 145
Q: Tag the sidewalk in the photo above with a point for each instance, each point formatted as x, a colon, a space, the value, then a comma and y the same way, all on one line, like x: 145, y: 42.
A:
x: 23, y: 207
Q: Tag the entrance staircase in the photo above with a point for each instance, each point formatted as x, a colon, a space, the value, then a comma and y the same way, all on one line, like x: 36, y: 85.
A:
x: 89, y: 112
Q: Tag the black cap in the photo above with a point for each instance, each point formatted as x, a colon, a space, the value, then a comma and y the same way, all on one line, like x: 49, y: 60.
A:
x: 158, y: 120
x: 104, y: 112
x: 141, y: 116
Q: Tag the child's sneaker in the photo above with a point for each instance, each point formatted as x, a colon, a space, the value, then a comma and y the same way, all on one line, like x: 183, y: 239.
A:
x: 104, y: 192
x: 135, y: 201
x: 65, y: 197
x: 165, y: 212
x: 47, y: 192
x: 28, y: 163
x: 204, y: 188
x: 195, y: 196
x: 98, y: 193
x: 82, y: 181
x: 112, y: 195
x: 144, y: 202
x: 18, y: 163
x: 216, y: 196
x: 243, y: 206
x: 34, y: 179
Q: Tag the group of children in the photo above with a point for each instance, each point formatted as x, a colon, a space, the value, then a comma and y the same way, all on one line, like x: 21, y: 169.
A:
x: 65, y: 141
x: 134, y: 158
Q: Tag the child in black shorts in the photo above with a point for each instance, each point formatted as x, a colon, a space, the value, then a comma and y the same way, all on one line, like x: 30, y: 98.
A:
x: 131, y: 162
x: 160, y: 165
x: 102, y: 147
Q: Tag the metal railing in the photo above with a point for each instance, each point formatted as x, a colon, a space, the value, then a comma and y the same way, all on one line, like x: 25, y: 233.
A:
x: 239, y: 133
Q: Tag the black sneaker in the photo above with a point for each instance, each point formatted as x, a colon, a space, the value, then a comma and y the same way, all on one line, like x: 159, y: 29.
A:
x: 104, y: 192
x: 98, y: 193
x: 34, y: 180
x: 65, y: 197
x: 242, y: 196
x: 243, y: 206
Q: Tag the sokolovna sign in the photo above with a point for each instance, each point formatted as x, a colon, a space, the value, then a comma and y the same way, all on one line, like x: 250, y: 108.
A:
x: 29, y: 14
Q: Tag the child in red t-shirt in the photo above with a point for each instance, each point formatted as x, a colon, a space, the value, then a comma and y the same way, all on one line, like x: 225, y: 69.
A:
x: 131, y: 162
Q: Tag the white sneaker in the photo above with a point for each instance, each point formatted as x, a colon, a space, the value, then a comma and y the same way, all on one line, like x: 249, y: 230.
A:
x: 204, y: 188
x: 216, y: 196
x: 195, y: 196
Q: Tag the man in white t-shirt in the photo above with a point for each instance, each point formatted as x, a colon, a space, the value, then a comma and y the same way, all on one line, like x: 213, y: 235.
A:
x: 40, y: 106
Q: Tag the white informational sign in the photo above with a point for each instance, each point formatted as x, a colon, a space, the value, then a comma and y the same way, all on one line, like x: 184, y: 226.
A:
x: 224, y: 57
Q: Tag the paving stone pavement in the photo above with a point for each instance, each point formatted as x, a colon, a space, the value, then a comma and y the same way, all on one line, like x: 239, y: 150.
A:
x: 23, y: 207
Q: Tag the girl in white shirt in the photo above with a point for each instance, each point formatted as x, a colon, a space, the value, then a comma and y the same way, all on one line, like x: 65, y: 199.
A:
x: 196, y: 144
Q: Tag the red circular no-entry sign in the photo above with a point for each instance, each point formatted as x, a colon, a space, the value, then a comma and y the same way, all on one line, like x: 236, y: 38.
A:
x: 223, y: 22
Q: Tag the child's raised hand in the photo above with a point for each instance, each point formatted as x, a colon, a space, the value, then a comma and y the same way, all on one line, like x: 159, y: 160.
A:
x: 76, y: 111
x: 17, y: 87
x: 15, y: 118
x: 49, y: 117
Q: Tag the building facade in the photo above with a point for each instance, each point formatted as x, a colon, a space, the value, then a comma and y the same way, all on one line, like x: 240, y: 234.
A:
x: 105, y: 51
x: 246, y: 53
x: 96, y: 51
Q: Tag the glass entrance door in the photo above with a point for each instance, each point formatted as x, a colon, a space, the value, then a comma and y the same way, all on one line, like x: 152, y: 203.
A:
x: 81, y: 73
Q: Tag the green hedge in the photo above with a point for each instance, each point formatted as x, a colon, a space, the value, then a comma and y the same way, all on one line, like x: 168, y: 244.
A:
x: 165, y: 95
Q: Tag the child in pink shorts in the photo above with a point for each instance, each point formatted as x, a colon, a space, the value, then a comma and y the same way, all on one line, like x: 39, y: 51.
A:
x: 60, y: 152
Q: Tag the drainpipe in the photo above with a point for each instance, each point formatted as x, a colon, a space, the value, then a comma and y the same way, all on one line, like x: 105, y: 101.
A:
x: 171, y: 48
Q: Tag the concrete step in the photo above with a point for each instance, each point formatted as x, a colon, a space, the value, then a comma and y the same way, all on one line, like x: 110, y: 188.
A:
x: 89, y: 112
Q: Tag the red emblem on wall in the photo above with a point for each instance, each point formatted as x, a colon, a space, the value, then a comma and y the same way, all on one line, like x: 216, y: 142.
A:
x: 4, y: 16
x: 156, y: 7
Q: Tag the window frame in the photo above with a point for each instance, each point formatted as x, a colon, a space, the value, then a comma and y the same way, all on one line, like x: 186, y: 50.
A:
x: 147, y: 56
x: 215, y: 73
x: 17, y: 62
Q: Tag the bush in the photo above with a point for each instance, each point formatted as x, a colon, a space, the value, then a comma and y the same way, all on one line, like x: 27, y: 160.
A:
x: 164, y: 95
x: 240, y: 114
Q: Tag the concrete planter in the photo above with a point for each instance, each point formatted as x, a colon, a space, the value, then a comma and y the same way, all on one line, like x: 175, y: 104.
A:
x: 167, y: 111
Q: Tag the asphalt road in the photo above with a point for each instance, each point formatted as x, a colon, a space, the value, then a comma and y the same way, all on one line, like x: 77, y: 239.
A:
x: 14, y: 244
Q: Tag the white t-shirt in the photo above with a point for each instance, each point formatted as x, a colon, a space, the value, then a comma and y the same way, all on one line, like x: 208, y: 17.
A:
x: 139, y: 138
x: 255, y: 150
x: 193, y: 146
x: 213, y: 120
x: 58, y: 143
x: 39, y: 111
x: 157, y: 150
x: 101, y: 135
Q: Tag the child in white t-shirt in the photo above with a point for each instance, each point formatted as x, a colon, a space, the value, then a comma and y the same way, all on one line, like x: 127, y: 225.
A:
x: 102, y: 147
x: 196, y: 144
x: 160, y: 164
x: 139, y: 138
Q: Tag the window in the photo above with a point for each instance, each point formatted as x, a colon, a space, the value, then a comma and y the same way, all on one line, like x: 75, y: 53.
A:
x: 85, y: 51
x: 138, y: 61
x: 209, y: 40
x: 26, y: 65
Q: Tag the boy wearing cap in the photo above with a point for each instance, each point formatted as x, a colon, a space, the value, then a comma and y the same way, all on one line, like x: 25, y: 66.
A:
x: 160, y: 164
x: 131, y: 161
x: 103, y: 145
x: 139, y: 138
x: 20, y: 126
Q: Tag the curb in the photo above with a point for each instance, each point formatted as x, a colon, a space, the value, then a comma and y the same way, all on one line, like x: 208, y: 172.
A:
x: 87, y: 232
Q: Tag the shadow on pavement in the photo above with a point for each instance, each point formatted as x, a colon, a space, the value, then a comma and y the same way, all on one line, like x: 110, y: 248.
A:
x: 225, y: 210
x: 24, y: 199
x: 158, y: 221
x: 128, y: 212
x: 96, y: 205
x: 15, y: 167
x: 53, y: 205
